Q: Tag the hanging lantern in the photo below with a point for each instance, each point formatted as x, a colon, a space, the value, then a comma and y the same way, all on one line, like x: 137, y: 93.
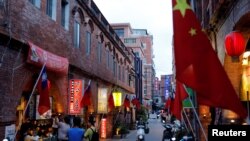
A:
x: 117, y: 98
x: 235, y: 44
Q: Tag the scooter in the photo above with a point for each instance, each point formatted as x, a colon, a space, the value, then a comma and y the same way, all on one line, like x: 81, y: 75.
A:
x: 140, y: 132
x: 167, y: 133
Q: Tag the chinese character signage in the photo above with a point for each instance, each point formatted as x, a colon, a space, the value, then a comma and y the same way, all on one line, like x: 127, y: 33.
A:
x: 104, y: 128
x: 75, y: 95
x: 102, y: 106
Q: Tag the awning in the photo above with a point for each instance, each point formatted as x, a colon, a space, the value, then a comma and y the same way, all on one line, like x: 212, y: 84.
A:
x: 37, y: 56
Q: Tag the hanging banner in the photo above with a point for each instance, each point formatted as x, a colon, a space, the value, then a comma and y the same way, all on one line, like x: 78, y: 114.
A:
x: 37, y: 56
x: 103, y: 128
x: 75, y: 95
x: 102, y: 106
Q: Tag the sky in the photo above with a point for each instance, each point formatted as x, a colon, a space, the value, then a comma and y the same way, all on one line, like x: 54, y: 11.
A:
x: 153, y: 15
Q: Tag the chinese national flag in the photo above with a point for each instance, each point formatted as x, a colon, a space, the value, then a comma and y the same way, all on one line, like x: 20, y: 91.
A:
x: 176, y: 104
x: 126, y: 102
x: 43, y: 89
x: 111, y: 102
x: 197, y: 64
x: 86, y: 99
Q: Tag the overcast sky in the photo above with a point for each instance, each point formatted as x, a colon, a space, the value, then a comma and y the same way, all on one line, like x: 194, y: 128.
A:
x: 153, y: 15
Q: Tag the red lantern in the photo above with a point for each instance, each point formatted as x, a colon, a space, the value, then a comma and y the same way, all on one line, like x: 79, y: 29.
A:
x: 235, y: 44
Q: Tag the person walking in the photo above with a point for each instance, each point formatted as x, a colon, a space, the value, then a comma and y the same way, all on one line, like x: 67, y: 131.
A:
x: 76, y: 133
x: 63, y: 127
x: 90, y: 131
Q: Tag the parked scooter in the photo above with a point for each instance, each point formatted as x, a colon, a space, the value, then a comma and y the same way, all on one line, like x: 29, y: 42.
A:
x: 171, y: 130
x: 167, y: 133
x: 142, y: 129
x: 140, y: 133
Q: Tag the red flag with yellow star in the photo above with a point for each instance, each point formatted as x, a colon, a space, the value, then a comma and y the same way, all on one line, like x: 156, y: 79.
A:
x: 197, y: 64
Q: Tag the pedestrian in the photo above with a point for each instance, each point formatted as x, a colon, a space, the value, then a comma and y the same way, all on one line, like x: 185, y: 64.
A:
x: 76, y: 133
x: 89, y: 132
x: 63, y: 127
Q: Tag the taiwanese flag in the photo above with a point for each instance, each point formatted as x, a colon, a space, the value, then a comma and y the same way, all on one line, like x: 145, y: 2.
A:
x: 136, y: 102
x: 197, y: 64
x: 111, y: 103
x: 43, y: 89
x: 176, y: 104
x: 86, y: 99
x: 126, y: 102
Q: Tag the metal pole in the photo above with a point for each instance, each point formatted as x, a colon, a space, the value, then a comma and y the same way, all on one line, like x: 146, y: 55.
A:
x: 198, y: 119
x: 248, y: 116
x: 31, y: 95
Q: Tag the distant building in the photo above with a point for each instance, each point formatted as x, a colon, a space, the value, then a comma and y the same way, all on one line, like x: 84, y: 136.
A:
x: 142, y: 45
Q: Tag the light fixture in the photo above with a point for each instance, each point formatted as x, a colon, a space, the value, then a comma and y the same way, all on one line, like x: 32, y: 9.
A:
x: 117, y: 96
x: 235, y: 44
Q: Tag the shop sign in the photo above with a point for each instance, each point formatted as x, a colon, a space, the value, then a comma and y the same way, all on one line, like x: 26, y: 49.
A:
x: 75, y: 95
x: 10, y: 132
x: 102, y: 106
x: 104, y: 128
x: 37, y: 56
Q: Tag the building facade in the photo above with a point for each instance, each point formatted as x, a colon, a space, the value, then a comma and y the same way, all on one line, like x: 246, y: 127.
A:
x: 142, y: 45
x: 220, y: 18
x: 75, y: 43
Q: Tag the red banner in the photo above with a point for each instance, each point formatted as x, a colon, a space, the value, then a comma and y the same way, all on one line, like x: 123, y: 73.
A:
x: 37, y: 56
x: 75, y: 96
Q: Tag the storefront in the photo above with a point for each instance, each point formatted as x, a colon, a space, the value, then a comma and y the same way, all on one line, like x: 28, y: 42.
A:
x: 27, y: 112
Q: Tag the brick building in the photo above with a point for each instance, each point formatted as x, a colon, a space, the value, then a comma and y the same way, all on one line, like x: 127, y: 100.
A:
x: 71, y: 30
x: 219, y: 18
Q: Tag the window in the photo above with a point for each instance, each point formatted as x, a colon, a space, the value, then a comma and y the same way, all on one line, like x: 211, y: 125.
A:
x: 107, y: 58
x: 111, y: 61
x: 99, y: 51
x: 119, y: 72
x: 76, y: 34
x: 119, y: 32
x: 88, y: 42
x: 51, y: 9
x: 114, y: 68
x: 123, y: 74
x: 37, y: 3
x: 65, y: 14
x: 130, y: 40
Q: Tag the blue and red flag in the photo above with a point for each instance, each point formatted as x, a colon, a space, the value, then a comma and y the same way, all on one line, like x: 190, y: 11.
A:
x: 43, y: 89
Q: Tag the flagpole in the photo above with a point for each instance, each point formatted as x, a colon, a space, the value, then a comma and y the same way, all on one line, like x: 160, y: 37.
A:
x: 31, y: 95
x: 191, y: 128
x: 198, y: 119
